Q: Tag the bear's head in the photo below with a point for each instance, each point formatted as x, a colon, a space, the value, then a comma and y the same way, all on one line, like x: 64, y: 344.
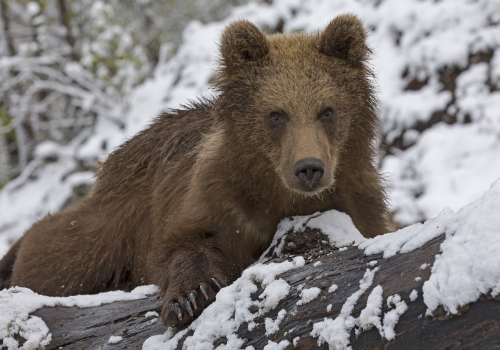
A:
x: 303, y: 102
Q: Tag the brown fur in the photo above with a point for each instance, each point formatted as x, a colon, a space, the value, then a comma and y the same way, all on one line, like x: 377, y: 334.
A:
x: 200, y: 192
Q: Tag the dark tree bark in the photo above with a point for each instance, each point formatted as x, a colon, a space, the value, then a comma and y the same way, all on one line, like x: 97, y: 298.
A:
x: 5, y: 28
x: 476, y: 326
x: 64, y: 18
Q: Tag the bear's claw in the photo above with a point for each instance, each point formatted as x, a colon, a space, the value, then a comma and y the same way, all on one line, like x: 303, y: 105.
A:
x: 204, y: 288
x: 186, y: 308
x: 192, y: 298
x: 217, y: 283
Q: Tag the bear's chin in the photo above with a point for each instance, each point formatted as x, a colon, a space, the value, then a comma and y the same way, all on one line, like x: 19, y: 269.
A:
x: 315, y: 192
x: 318, y: 191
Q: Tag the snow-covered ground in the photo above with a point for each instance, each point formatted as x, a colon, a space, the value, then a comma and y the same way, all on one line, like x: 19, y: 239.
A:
x: 443, y: 166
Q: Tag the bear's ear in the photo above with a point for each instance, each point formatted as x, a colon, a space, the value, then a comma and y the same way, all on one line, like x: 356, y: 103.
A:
x: 242, y: 42
x: 345, y: 38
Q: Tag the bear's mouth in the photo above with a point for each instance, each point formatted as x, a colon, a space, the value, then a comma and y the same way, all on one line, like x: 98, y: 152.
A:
x: 310, y: 192
x: 307, y: 190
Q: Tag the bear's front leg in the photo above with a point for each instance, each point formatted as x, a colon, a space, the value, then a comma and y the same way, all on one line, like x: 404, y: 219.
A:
x: 190, y: 271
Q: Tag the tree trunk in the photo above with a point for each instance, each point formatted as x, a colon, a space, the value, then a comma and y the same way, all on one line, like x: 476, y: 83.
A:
x: 64, y: 18
x: 475, y: 326
x: 11, y: 50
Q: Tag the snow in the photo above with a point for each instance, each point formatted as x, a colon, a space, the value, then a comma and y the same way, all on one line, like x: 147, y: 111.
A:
x: 445, y: 166
x: 114, y: 339
x: 370, y: 315
x: 464, y: 150
x: 336, y: 225
x: 153, y: 317
x: 17, y: 303
x: 230, y: 309
x: 152, y: 321
x: 424, y: 266
x: 391, y: 317
x: 273, y: 326
x: 336, y: 332
x: 317, y: 263
x: 409, y: 238
x: 469, y: 261
x: 333, y: 288
x: 276, y: 346
x: 413, y: 295
x: 307, y: 295
x: 274, y: 293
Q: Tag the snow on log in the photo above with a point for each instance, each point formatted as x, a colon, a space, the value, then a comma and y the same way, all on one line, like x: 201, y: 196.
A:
x: 428, y: 286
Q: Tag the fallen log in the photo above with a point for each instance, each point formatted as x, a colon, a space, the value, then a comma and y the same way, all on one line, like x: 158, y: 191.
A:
x: 474, y: 326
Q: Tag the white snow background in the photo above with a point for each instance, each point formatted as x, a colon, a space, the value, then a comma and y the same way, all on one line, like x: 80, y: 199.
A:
x: 445, y: 166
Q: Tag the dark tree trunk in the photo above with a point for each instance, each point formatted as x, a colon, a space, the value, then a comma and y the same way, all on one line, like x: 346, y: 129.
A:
x: 476, y: 326
x: 64, y: 18
x: 11, y: 50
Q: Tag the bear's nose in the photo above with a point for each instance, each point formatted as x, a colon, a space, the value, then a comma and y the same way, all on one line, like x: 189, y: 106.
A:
x: 309, y: 171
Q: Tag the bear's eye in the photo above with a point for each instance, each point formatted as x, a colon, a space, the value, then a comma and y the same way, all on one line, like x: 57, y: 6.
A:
x: 327, y: 114
x: 276, y: 118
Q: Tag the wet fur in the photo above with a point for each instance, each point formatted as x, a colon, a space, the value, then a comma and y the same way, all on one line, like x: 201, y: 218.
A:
x: 200, y: 192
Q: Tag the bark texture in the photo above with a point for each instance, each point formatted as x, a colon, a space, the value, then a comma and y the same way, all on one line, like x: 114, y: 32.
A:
x: 476, y: 326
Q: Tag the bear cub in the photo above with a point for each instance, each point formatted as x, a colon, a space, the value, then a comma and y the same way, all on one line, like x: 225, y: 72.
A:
x: 196, y: 197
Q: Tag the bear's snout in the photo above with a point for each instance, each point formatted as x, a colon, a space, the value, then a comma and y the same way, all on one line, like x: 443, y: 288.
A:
x: 309, y: 172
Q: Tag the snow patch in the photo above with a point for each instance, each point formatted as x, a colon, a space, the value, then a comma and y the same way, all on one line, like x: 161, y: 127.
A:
x: 391, y: 317
x: 17, y: 303
x: 424, y: 266
x: 409, y: 238
x: 336, y: 225
x: 275, y: 346
x: 336, y: 332
x: 231, y: 308
x: 273, y: 326
x: 370, y: 315
x: 308, y: 295
x: 115, y: 339
x: 333, y: 288
x: 274, y: 293
x: 469, y: 263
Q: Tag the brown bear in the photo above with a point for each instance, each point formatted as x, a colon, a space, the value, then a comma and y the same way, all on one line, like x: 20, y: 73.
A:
x: 196, y: 197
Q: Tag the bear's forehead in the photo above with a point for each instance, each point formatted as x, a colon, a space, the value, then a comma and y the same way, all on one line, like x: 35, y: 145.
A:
x: 297, y: 60
x: 296, y: 66
x: 296, y: 48
x: 299, y: 79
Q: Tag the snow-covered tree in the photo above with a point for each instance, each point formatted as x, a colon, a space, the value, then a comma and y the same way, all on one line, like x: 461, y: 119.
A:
x: 64, y: 63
